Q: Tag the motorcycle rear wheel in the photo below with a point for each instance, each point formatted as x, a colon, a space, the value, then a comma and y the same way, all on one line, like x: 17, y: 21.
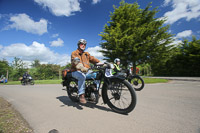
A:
x: 120, y: 96
x: 32, y: 82
x: 72, y: 90
x: 23, y: 82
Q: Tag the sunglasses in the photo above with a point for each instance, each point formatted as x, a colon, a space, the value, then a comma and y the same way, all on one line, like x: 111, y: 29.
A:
x: 83, y: 44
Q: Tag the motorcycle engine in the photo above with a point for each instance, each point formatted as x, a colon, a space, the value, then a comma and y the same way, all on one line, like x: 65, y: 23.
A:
x: 92, y: 87
x: 92, y: 96
x: 92, y: 90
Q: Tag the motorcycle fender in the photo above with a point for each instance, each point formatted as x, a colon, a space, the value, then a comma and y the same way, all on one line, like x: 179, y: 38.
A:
x: 136, y: 76
x: 64, y: 83
x: 103, y: 94
x: 117, y: 78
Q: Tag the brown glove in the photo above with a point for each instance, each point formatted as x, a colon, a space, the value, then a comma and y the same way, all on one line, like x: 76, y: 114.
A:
x: 84, y: 69
x: 81, y: 67
x: 76, y: 61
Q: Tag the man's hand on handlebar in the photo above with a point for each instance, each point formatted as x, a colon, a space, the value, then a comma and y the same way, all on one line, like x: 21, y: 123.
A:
x: 100, y: 64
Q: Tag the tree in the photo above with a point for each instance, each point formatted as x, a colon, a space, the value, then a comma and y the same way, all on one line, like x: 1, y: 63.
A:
x: 36, y: 63
x: 4, y: 67
x: 18, y: 69
x: 186, y: 60
x: 134, y: 35
x: 47, y: 71
x: 17, y: 63
x: 68, y: 66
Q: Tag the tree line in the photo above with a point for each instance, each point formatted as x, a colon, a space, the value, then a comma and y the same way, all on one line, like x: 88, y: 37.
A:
x: 37, y: 70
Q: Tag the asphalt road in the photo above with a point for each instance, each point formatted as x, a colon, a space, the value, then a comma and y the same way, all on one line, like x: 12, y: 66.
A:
x: 172, y: 107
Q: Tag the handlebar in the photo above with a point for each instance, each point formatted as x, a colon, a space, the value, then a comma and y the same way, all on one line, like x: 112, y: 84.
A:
x: 102, y: 66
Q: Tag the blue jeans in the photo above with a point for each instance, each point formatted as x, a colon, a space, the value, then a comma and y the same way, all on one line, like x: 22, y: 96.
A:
x: 81, y: 81
x: 81, y: 77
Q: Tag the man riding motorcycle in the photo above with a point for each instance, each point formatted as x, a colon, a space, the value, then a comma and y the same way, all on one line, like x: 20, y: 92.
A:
x: 25, y: 76
x: 80, y: 64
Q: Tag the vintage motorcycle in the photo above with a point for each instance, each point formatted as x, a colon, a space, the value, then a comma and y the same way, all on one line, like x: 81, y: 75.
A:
x: 116, y: 91
x: 27, y: 81
x: 135, y: 80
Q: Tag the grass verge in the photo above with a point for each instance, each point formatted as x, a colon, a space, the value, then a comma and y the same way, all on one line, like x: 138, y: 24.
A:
x: 36, y: 82
x: 146, y: 81
x: 11, y: 121
x: 154, y: 80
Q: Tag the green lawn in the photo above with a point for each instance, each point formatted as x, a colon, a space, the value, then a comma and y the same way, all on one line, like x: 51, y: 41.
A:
x: 154, y: 80
x: 36, y: 82
x: 146, y: 81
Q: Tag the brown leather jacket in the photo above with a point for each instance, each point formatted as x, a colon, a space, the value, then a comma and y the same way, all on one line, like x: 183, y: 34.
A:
x: 85, y: 59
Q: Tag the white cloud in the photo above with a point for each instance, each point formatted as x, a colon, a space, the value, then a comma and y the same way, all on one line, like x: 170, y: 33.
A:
x: 176, y: 42
x: 57, y: 43
x: 60, y: 7
x: 24, y: 22
x: 185, y: 33
x: 177, y: 38
x: 166, y: 2
x: 94, y: 51
x: 1, y: 46
x: 95, y: 1
x: 187, y: 9
x: 34, y: 51
x: 29, y: 53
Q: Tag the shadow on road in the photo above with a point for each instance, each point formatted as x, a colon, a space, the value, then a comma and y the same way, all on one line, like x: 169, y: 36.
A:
x: 66, y: 101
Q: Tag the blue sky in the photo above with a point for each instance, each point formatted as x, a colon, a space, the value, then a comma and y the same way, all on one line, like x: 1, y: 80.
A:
x: 49, y: 30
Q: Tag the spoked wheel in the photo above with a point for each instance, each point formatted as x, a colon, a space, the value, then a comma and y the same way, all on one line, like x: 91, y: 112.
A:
x: 23, y: 82
x: 120, y: 96
x: 137, y: 82
x: 72, y: 90
x: 32, y: 82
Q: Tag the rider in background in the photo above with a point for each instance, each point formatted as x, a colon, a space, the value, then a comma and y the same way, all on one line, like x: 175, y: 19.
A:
x: 131, y: 69
x: 80, y: 64
x: 25, y: 76
x: 116, y: 66
x: 137, y: 70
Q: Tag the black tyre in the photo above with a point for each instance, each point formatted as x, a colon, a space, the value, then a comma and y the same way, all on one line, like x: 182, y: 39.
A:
x: 32, y: 82
x: 120, y: 96
x: 72, y: 90
x: 137, y: 82
x: 23, y: 82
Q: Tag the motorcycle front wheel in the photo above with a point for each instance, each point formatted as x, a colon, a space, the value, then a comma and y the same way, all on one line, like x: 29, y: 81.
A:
x: 32, y: 82
x: 137, y: 82
x: 120, y: 96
